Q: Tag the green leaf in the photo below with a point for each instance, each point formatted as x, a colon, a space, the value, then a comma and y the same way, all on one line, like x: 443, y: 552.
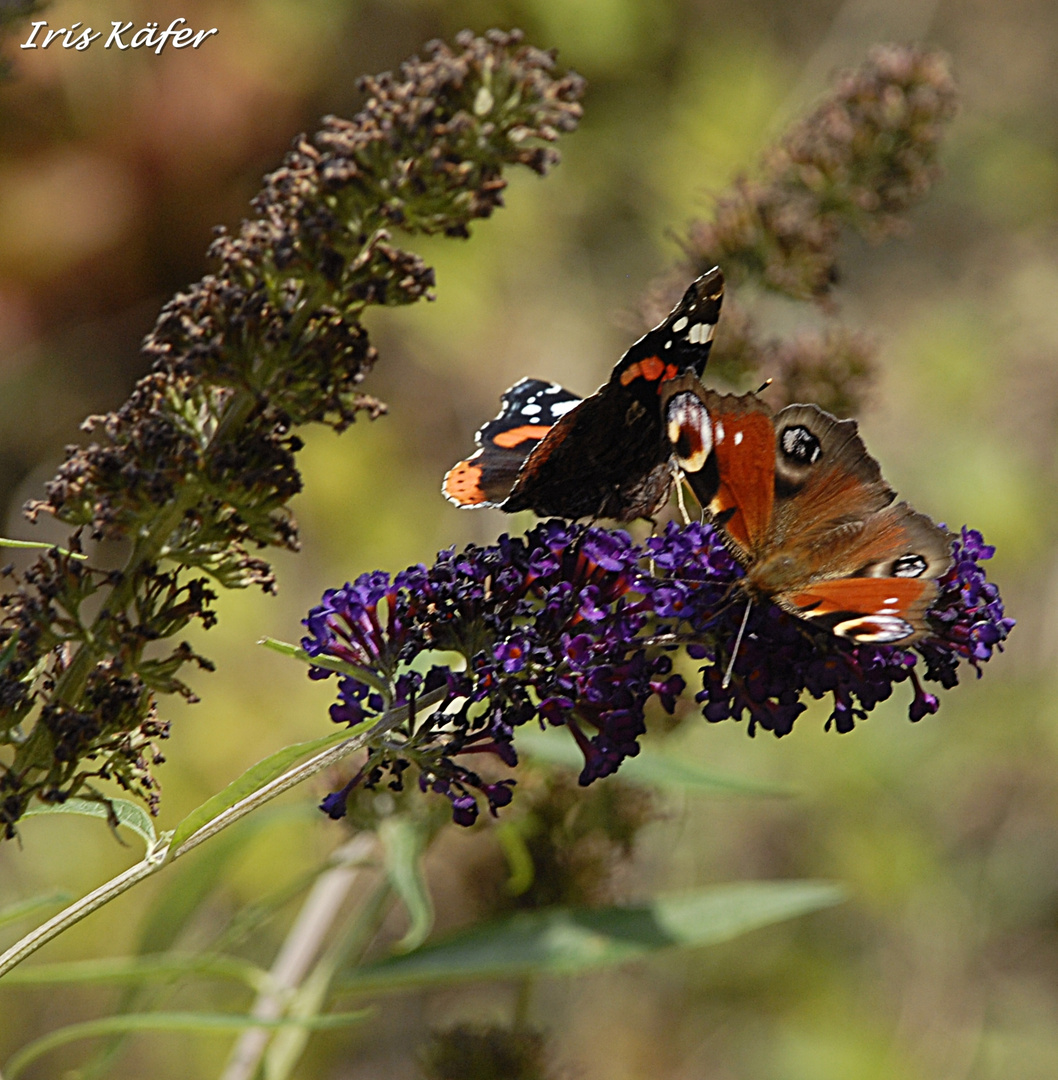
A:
x: 403, y: 845
x: 563, y: 941
x: 221, y: 1023
x: 9, y: 651
x: 328, y: 663
x: 663, y: 771
x: 190, y: 883
x: 129, y: 814
x: 24, y: 908
x: 38, y: 545
x: 256, y: 777
x: 139, y: 969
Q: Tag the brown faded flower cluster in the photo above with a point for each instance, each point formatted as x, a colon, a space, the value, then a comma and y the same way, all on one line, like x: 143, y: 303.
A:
x: 197, y: 468
x: 860, y: 161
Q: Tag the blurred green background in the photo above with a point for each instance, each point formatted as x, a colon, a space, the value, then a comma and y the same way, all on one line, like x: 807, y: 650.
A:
x: 944, y: 964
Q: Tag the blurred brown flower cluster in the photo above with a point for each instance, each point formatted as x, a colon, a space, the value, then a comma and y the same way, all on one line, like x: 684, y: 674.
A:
x: 860, y: 161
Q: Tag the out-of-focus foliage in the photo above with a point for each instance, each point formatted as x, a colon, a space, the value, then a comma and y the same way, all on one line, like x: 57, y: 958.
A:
x: 114, y: 169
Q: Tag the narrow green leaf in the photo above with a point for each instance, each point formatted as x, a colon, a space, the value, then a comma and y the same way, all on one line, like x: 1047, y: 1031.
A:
x: 139, y: 969
x: 190, y: 883
x: 403, y: 845
x: 256, y: 777
x: 329, y: 663
x: 24, y: 908
x: 39, y: 545
x: 129, y: 814
x: 221, y: 1023
x: 650, y: 768
x: 562, y: 941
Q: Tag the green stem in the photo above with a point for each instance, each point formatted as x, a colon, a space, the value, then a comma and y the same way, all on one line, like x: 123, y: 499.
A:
x: 79, y: 909
x: 155, y: 860
x: 70, y: 684
x: 162, y: 855
x: 305, y: 996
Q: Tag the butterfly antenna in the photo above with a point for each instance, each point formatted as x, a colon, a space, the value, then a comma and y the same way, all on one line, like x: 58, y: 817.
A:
x: 738, y: 642
x: 764, y: 385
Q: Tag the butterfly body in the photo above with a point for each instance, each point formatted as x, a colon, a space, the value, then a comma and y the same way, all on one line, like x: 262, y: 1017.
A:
x: 605, y: 455
x: 804, y: 509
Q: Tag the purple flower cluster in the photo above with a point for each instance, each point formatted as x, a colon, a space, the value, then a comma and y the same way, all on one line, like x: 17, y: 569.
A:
x: 968, y: 614
x: 575, y: 626
x: 548, y: 627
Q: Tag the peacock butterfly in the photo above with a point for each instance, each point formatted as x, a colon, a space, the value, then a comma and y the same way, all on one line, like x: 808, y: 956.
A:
x: 803, y: 508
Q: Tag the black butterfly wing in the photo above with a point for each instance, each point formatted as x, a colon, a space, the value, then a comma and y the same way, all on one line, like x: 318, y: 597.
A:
x: 608, y: 457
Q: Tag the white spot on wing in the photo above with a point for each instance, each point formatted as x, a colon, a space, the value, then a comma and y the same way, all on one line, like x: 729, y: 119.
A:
x: 701, y: 333
x: 738, y: 437
x: 679, y: 324
x: 560, y: 408
x: 879, y: 629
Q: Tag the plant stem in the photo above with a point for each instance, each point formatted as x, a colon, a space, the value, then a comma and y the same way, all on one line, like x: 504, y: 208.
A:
x: 147, y: 550
x: 163, y: 855
x: 78, y: 910
x: 318, y: 913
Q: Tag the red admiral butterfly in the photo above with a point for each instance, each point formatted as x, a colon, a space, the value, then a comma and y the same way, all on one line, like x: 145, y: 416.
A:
x: 803, y: 507
x: 606, y: 456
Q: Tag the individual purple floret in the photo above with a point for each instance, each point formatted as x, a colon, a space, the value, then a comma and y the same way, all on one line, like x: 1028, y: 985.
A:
x: 577, y: 627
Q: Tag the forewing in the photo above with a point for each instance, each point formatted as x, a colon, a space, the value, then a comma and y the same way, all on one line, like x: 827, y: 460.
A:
x: 825, y: 480
x: 725, y: 445
x: 601, y: 460
x: 678, y: 345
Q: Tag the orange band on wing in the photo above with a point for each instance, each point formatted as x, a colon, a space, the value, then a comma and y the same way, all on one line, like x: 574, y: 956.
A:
x: 863, y: 596
x: 516, y: 436
x: 653, y: 368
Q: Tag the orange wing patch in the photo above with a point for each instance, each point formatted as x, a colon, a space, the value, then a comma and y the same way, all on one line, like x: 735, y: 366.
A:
x: 653, y: 369
x: 864, y: 595
x: 516, y: 436
x: 462, y: 484
x: 744, y: 444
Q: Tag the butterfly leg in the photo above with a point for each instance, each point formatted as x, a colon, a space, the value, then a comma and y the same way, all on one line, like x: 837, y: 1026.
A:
x: 653, y: 533
x: 738, y: 644
x: 679, y: 480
